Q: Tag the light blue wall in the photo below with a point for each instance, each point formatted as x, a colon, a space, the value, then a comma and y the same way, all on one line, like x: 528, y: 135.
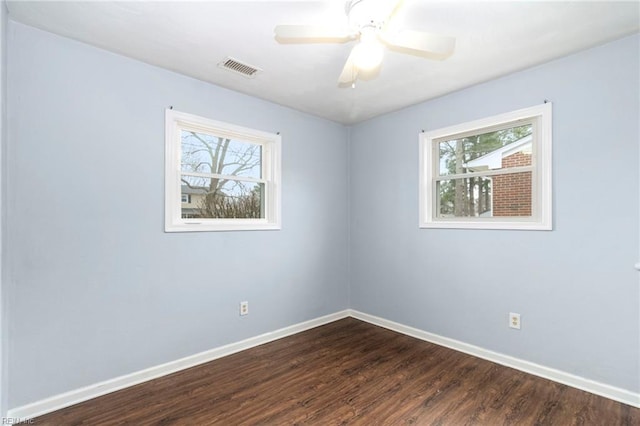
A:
x: 575, y: 287
x: 97, y: 288
x: 4, y: 335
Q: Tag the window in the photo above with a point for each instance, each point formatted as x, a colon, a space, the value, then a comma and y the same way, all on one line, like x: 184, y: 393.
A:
x: 219, y: 176
x: 493, y: 173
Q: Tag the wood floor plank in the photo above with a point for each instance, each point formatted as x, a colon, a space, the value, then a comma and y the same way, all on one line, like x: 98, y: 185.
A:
x: 348, y: 372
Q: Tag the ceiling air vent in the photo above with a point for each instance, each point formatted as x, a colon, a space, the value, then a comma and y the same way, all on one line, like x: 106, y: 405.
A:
x: 235, y: 65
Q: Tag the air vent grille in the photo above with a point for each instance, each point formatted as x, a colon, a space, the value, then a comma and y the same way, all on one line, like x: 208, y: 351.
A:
x: 239, y: 67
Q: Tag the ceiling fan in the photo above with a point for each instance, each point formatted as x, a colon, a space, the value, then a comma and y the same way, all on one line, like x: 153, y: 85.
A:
x: 369, y: 25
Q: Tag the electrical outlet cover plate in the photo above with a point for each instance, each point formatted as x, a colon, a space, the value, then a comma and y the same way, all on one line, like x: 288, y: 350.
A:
x: 514, y: 320
x: 244, y: 308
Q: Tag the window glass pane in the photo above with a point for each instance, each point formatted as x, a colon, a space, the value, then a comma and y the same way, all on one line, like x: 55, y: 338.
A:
x: 222, y: 198
x: 204, y: 153
x: 506, y: 195
x: 505, y: 148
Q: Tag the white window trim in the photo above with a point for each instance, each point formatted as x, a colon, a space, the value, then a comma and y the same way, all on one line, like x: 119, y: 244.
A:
x: 541, y: 218
x: 175, y: 121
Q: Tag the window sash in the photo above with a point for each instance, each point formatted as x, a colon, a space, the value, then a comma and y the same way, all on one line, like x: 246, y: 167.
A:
x: 225, y: 177
x: 270, y: 175
x: 488, y: 173
x: 540, y: 118
x: 435, y: 143
x: 487, y: 129
x: 236, y: 135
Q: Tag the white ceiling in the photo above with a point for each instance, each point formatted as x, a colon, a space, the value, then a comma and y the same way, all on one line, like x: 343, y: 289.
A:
x: 492, y: 39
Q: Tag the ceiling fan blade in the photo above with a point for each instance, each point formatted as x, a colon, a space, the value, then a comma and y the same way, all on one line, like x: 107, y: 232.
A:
x: 312, y: 34
x: 349, y: 73
x: 418, y: 43
x: 394, y: 12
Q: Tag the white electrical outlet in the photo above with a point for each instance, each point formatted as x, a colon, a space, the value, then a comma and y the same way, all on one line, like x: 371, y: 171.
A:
x: 244, y: 308
x: 514, y: 320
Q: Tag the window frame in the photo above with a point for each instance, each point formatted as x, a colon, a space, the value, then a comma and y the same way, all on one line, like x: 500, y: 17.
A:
x: 175, y: 122
x: 541, y: 203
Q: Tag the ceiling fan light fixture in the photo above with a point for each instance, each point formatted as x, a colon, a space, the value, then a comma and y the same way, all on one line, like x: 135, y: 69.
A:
x: 373, y: 24
x: 368, y: 54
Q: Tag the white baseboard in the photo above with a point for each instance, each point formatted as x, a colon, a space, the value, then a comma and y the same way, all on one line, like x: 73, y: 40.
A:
x: 607, y: 391
x: 76, y: 396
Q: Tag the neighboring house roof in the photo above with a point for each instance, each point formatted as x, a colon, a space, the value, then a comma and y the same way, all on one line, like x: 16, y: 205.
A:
x: 493, y: 160
x: 186, y: 190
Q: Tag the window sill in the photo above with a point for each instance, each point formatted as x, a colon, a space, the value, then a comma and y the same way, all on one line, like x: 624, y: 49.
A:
x: 249, y: 225
x: 507, y: 225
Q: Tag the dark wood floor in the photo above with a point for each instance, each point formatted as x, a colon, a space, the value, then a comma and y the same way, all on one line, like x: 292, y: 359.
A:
x: 348, y: 372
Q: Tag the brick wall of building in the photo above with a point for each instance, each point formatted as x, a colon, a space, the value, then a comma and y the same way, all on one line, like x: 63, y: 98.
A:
x: 512, y: 192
